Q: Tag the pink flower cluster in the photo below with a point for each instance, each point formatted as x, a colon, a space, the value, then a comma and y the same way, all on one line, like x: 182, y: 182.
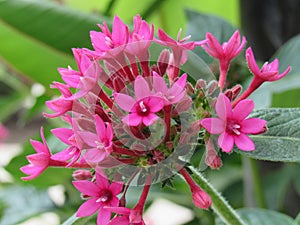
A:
x: 125, y: 112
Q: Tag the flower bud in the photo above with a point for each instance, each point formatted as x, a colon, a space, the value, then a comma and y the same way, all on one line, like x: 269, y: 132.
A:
x: 200, y: 198
x: 82, y: 175
x: 211, y: 157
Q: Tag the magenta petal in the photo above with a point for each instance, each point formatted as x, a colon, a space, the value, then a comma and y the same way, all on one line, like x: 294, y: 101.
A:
x: 95, y: 155
x: 101, y: 179
x: 155, y: 103
x: 251, y: 62
x: 223, y: 107
x: 132, y: 119
x: 141, y: 88
x: 124, y: 101
x: 103, y: 217
x: 100, y: 127
x: 226, y: 141
x: 150, y: 119
x: 243, y: 142
x: 253, y: 125
x: 86, y: 187
x: 243, y: 109
x: 213, y: 125
x: 159, y: 84
x: 214, y: 44
x: 116, y: 187
x: 88, y: 208
x: 89, y: 138
x: 63, y: 134
x: 121, y: 220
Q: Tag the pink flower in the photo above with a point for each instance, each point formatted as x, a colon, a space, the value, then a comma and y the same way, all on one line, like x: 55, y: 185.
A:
x: 143, y: 108
x: 99, y: 195
x: 39, y: 161
x: 84, y: 80
x: 110, y: 42
x: 178, y: 47
x: 175, y: 93
x: 72, y: 152
x: 60, y: 105
x: 225, y: 52
x: 129, y: 216
x: 232, y: 124
x: 268, y: 72
x: 200, y: 198
x: 100, y: 143
x: 141, y: 37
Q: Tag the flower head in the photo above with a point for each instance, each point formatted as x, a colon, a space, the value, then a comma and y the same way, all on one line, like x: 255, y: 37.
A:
x: 99, y: 195
x: 39, y: 161
x: 232, y: 124
x: 143, y: 108
x: 268, y: 72
x: 225, y: 52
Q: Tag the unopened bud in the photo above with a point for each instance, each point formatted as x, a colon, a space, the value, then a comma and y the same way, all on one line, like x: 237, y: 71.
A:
x: 200, y: 198
x: 163, y: 61
x: 212, y: 86
x: 229, y: 94
x: 236, y: 91
x: 189, y: 88
x: 184, y: 104
x: 82, y: 175
x: 211, y: 158
x: 201, y: 84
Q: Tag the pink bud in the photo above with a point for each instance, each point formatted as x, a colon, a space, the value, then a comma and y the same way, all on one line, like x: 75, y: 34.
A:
x: 200, y: 198
x: 82, y: 175
x: 201, y: 84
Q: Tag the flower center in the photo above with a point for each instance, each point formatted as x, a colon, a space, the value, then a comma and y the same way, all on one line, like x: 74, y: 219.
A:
x: 142, y: 109
x: 104, y: 196
x: 233, y: 127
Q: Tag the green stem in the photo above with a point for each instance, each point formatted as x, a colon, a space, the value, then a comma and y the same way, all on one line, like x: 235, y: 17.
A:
x: 110, y: 7
x: 151, y: 9
x: 257, y: 183
x: 219, y: 204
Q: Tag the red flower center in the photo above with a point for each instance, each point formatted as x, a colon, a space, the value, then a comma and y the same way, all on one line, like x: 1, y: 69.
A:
x: 105, y: 196
x: 142, y: 109
x: 233, y: 127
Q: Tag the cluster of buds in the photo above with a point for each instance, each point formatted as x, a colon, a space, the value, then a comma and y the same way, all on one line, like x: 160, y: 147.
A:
x: 133, y: 117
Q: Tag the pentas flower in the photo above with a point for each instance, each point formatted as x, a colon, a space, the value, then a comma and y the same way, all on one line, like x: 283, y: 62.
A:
x: 39, y: 161
x: 72, y: 152
x: 178, y: 47
x: 232, y: 124
x: 268, y: 72
x: 173, y: 94
x: 100, y: 143
x: 225, y: 52
x: 128, y: 216
x: 60, y: 105
x: 99, y: 194
x: 108, y: 43
x: 142, y: 109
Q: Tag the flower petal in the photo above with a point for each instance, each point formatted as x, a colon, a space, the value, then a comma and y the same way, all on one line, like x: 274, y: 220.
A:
x: 159, y: 84
x: 86, y: 187
x: 243, y: 142
x: 132, y: 119
x: 223, y: 107
x: 141, y: 88
x: 150, y: 119
x: 116, y: 187
x: 103, y: 217
x: 125, y: 102
x: 88, y: 208
x: 155, y: 103
x: 213, y: 125
x: 243, y: 109
x: 253, y: 126
x: 226, y: 141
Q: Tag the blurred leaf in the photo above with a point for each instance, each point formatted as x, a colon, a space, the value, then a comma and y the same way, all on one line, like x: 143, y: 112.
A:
x: 296, y: 180
x: 257, y: 216
x: 275, y: 186
x: 282, y: 140
x: 297, y: 220
x: 288, y: 54
x: 22, y: 203
x: 58, y: 27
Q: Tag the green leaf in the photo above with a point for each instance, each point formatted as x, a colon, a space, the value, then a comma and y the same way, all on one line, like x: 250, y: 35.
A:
x: 23, y: 203
x: 257, y: 216
x: 282, y: 140
x: 297, y: 220
x: 58, y: 27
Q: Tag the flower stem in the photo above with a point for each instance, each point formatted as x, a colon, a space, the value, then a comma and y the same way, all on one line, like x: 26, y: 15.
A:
x: 219, y: 204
